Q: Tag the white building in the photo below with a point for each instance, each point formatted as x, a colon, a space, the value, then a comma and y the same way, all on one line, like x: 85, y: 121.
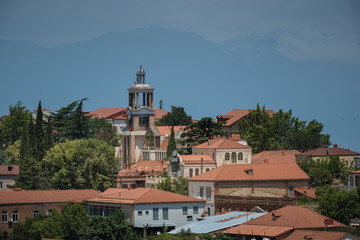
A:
x: 148, y: 207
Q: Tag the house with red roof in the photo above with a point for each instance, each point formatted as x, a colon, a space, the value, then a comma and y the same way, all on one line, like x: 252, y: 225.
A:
x: 16, y: 205
x: 283, y: 222
x: 346, y: 155
x: 320, y: 235
x: 134, y: 176
x: 225, y: 150
x: 244, y: 186
x: 279, y: 156
x: 232, y: 118
x: 148, y: 208
x: 189, y: 165
x: 8, y: 174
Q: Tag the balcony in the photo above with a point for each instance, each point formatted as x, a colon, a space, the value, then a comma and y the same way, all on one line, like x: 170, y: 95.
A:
x: 148, y: 153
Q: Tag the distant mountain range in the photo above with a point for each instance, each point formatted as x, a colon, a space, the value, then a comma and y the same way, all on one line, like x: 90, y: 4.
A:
x: 186, y: 70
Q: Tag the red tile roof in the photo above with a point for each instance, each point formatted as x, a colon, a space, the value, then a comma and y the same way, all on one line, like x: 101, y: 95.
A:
x: 196, y: 159
x: 141, y: 196
x: 109, y: 113
x: 296, y: 217
x: 9, y: 170
x: 318, y: 235
x: 239, y: 172
x: 16, y: 196
x: 223, y: 143
x: 163, y: 130
x: 268, y: 231
x: 310, y: 192
x: 235, y: 115
x: 281, y: 156
x: 335, y: 151
x: 159, y: 113
x: 145, y: 168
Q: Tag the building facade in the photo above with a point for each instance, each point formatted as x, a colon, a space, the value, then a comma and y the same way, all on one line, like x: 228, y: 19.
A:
x: 8, y: 174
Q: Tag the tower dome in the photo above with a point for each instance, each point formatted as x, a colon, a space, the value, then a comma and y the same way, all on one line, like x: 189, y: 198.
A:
x: 140, y: 76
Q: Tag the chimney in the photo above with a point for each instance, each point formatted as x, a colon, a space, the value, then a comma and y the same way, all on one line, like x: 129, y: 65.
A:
x: 152, y: 172
x: 335, y: 145
x: 136, y: 173
x: 202, y: 165
x: 208, y: 142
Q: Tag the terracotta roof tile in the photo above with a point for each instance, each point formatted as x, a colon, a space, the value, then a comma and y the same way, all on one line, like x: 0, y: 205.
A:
x: 108, y: 112
x: 159, y: 113
x: 296, y: 217
x: 239, y: 172
x: 310, y: 192
x: 9, y: 170
x: 269, y: 231
x: 163, y: 130
x: 223, y: 143
x: 145, y: 168
x: 45, y: 196
x: 318, y: 235
x: 235, y: 115
x: 281, y: 156
x: 336, y: 151
x: 196, y: 159
x: 141, y: 196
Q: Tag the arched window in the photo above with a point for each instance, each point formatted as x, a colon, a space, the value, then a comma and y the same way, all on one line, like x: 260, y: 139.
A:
x: 240, y: 156
x: 191, y: 172
x: 233, y: 157
x: 213, y: 155
x: 207, y: 170
x: 227, y: 156
x: 196, y: 171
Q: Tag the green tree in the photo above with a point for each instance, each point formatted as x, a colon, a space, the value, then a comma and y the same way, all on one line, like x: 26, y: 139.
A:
x: 341, y: 206
x: 39, y: 135
x: 12, y: 125
x: 80, y: 164
x: 264, y: 132
x: 71, y: 122
x: 177, y: 117
x: 48, y: 135
x: 12, y: 153
x: 104, y: 130
x: 202, y: 131
x: 180, y: 185
x: 172, y: 144
x: 113, y: 227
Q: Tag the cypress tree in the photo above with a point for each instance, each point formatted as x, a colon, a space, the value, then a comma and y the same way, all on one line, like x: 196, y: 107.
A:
x: 48, y: 135
x: 172, y: 144
x: 39, y: 141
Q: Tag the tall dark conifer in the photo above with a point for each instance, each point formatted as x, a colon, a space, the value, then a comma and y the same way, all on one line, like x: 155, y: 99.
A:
x: 172, y: 144
x: 39, y: 142
x: 48, y: 135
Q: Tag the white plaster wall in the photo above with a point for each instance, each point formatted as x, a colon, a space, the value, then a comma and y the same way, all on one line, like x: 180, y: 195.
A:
x: 176, y: 216
x: 194, y: 191
x: 220, y: 156
x: 139, y: 143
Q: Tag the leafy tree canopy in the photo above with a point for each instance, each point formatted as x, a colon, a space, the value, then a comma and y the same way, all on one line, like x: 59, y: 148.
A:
x: 172, y: 143
x: 177, y: 117
x: 202, y: 131
x: 113, y: 227
x: 102, y: 129
x: 179, y: 185
x: 80, y: 164
x: 263, y: 132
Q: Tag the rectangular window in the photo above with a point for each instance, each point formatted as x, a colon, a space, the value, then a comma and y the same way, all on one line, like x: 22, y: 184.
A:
x: 196, y: 210
x: 201, y: 192
x: 0, y: 185
x: 139, y: 213
x: 143, y: 120
x: 4, y: 216
x: 208, y: 192
x: 36, y: 213
x: 107, y: 211
x: 185, y: 210
x: 155, y: 214
x: 189, y: 218
x: 147, y: 212
x: 165, y: 213
x: 15, y: 216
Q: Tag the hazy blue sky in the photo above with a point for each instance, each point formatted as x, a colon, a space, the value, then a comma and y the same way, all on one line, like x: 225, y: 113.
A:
x: 321, y: 37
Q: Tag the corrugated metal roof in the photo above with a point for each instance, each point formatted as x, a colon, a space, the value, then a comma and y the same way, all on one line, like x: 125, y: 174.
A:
x: 218, y: 222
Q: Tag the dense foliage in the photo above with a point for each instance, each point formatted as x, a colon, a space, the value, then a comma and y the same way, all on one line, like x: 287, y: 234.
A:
x: 324, y: 171
x: 263, y: 132
x: 80, y: 164
x: 338, y: 205
x: 179, y: 185
x: 177, y: 117
x: 172, y: 144
x: 201, y: 131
